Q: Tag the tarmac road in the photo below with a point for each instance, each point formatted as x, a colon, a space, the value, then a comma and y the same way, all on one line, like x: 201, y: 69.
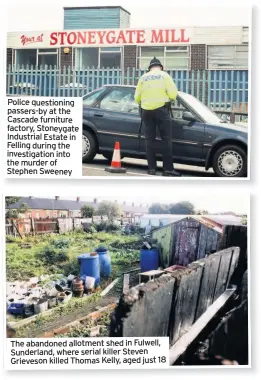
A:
x: 137, y: 167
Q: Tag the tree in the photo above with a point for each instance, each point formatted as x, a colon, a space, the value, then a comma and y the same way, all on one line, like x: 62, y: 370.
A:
x: 182, y: 208
x: 158, y: 208
x: 13, y: 213
x: 87, y: 211
x: 202, y: 212
x: 109, y: 209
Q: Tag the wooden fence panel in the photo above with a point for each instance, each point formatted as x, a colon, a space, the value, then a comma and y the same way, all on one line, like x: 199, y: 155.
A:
x: 223, y: 272
x: 46, y: 226
x: 208, y: 283
x: 233, y: 266
x: 185, y: 300
x: 65, y: 225
x: 171, y: 304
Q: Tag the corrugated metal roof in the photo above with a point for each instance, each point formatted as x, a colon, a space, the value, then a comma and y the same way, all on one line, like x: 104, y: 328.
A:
x: 102, y: 7
x: 216, y: 222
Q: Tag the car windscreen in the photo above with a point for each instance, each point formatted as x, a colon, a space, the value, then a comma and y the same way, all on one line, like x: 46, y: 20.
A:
x: 90, y: 98
x: 200, y: 108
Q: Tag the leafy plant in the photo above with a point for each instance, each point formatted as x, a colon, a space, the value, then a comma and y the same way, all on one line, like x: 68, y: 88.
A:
x: 87, y: 211
x: 61, y: 243
x: 49, y: 255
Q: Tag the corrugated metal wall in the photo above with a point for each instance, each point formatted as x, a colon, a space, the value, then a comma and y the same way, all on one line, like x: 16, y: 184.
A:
x: 88, y: 18
x: 185, y: 241
x: 124, y: 19
x: 225, y: 35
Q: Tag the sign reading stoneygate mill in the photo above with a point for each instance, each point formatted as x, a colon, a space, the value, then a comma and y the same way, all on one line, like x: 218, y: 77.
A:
x: 106, y: 37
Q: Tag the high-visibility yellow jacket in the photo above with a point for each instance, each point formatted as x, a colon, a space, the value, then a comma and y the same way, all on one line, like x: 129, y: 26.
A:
x: 154, y: 89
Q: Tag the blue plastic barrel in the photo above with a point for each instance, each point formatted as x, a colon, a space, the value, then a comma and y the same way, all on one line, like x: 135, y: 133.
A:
x: 90, y: 266
x: 16, y: 308
x: 149, y: 259
x: 105, y: 261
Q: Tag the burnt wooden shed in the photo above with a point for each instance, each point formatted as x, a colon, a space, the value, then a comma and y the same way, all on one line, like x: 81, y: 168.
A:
x: 189, y: 239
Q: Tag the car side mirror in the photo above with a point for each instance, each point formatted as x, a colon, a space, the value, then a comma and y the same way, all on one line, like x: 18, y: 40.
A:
x: 188, y: 116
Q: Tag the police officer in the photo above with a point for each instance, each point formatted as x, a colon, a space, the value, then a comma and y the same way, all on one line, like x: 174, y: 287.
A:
x: 154, y: 92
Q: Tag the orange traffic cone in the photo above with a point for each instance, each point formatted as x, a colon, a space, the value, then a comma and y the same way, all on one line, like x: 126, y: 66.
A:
x: 116, y: 161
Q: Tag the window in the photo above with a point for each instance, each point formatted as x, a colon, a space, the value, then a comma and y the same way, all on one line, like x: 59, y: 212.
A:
x: 109, y: 57
x: 48, y: 214
x: 121, y: 100
x: 228, y: 57
x: 47, y: 57
x: 177, y: 109
x: 54, y: 214
x: 26, y: 57
x: 37, y: 215
x: 36, y: 57
x: 86, y: 57
x: 89, y: 99
x: 171, y: 57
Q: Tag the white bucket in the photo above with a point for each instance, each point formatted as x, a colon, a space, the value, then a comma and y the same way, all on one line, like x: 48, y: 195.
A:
x: 89, y: 283
x: 40, y: 307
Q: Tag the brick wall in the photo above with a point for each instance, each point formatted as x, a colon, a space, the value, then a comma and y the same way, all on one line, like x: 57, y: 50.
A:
x: 9, y: 53
x: 198, y: 62
x: 130, y: 56
x: 66, y: 60
x: 198, y: 57
x: 45, y: 213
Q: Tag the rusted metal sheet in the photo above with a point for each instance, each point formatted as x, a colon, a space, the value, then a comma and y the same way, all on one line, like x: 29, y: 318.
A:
x: 185, y: 242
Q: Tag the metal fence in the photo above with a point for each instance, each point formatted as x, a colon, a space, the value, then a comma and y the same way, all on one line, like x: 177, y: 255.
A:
x: 221, y: 90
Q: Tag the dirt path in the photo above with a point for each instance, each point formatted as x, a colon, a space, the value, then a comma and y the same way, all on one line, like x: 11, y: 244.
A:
x: 34, y: 330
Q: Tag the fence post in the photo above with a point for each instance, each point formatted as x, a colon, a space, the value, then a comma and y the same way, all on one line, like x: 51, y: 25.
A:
x: 13, y: 228
x: 32, y: 226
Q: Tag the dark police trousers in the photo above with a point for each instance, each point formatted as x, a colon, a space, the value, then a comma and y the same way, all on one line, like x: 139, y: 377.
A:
x: 160, y: 118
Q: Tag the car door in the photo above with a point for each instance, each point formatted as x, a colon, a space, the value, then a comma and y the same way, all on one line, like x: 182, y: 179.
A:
x: 116, y: 118
x: 187, y: 136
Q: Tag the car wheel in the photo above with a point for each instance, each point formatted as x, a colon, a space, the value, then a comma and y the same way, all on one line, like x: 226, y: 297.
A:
x: 230, y: 161
x: 89, y: 146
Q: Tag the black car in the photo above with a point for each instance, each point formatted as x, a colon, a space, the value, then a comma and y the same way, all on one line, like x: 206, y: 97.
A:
x: 199, y: 138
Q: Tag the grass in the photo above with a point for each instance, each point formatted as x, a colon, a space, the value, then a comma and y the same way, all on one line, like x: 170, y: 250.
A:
x: 57, y: 254
x: 85, y: 331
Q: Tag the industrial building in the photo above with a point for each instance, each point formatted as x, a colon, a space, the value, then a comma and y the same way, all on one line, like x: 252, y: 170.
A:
x: 101, y: 37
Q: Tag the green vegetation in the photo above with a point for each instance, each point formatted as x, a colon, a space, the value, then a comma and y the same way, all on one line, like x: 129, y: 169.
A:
x: 109, y: 209
x: 57, y: 254
x: 14, y: 213
x: 87, y: 211
x: 179, y: 208
x: 56, y: 313
x: 85, y: 331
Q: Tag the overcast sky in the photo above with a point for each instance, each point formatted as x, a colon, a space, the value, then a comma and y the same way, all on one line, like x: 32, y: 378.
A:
x: 214, y: 203
x: 47, y: 16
